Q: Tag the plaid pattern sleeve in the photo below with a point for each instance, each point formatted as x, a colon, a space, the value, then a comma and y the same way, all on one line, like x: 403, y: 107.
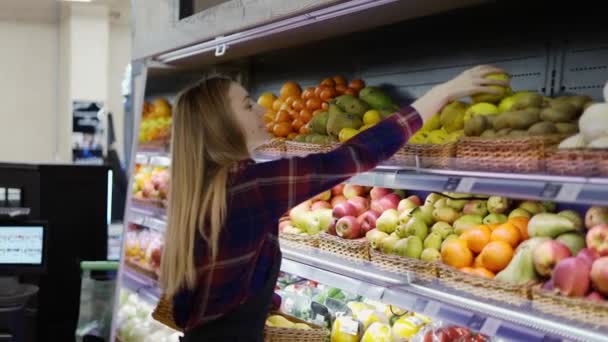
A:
x: 258, y: 195
x: 286, y: 182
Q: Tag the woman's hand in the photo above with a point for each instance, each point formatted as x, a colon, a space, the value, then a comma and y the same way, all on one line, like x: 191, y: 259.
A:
x: 469, y: 82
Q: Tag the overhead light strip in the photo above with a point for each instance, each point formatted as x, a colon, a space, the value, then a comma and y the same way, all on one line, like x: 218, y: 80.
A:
x: 273, y: 28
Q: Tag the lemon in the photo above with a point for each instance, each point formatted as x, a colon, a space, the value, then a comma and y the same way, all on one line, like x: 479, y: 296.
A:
x: 266, y: 100
x: 432, y: 124
x: 347, y: 133
x: 372, y: 117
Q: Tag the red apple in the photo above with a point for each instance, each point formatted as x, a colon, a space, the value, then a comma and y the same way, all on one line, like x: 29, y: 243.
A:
x: 320, y: 205
x: 337, y: 190
x: 361, y: 203
x: 549, y: 286
x: 337, y: 200
x: 376, y: 206
x: 378, y: 192
x: 351, y: 191
x: 347, y: 227
x: 571, y: 277
x: 324, y: 196
x: 596, y: 297
x: 548, y: 254
x: 331, y: 230
x: 344, y: 209
x: 596, y: 216
x: 599, y: 275
x: 597, y: 239
x: 588, y: 255
x: 367, y: 220
x: 390, y: 201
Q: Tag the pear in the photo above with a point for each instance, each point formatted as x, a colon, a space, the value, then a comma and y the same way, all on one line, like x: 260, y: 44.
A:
x: 432, y: 198
x: 532, y: 207
x: 352, y: 105
x: 410, y: 247
x: 318, y: 124
x: 576, y: 219
x: 338, y: 120
x: 387, y: 244
x: 426, y: 213
x: 521, y: 268
x: 574, y: 241
x: 376, y: 98
x: 494, y: 218
x: 452, y: 116
x: 465, y: 222
x: 519, y: 212
x: 445, y: 214
x: 430, y: 255
x: 416, y: 226
x: 442, y: 202
x: 375, y: 237
x: 498, y: 204
x: 443, y: 228
x: 475, y: 207
x: 493, y: 98
x: 549, y: 225
x: 433, y: 241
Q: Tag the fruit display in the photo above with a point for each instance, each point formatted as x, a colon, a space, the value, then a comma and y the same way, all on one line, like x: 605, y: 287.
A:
x: 156, y: 121
x: 280, y: 321
x: 450, y: 333
x: 333, y: 111
x: 151, y: 183
x: 593, y: 128
x: 135, y: 323
x: 143, y: 248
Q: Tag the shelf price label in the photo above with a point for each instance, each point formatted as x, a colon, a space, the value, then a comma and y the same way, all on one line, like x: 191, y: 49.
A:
x: 550, y: 190
x: 490, y: 327
x: 569, y: 192
x: 432, y: 308
x: 458, y: 184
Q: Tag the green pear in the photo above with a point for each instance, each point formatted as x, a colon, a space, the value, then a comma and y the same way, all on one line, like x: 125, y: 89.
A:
x: 475, y: 207
x: 498, y: 204
x: 387, y: 222
x: 533, y: 207
x: 445, y: 214
x: 575, y: 218
x: 433, y: 240
x: 417, y: 226
x: 574, y: 241
x: 521, y: 268
x: 549, y: 225
x: 318, y: 124
x: 430, y: 255
x: 402, y: 231
x: 406, y: 215
x: 410, y: 247
x: 456, y: 204
x: 519, y: 212
x: 387, y: 244
x: 442, y: 202
x: 337, y: 121
x: 443, y: 228
x: 375, y: 237
x: 494, y: 218
x: 465, y: 222
x: 376, y: 98
x: 432, y: 198
x: 550, y: 207
x: 352, y: 105
x: 426, y: 213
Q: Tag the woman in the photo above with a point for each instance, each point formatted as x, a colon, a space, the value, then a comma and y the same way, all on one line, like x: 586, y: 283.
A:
x: 221, y: 256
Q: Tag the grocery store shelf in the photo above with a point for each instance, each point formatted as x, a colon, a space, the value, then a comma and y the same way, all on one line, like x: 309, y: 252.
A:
x: 147, y: 288
x: 153, y: 158
x: 148, y: 210
x: 509, y: 322
x: 142, y: 219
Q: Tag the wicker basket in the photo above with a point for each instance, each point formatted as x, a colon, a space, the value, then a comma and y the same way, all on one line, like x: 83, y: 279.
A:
x: 282, y: 148
x: 164, y: 313
x: 523, y: 155
x: 485, y: 288
x: 350, y: 249
x: 299, y: 240
x: 276, y: 334
x: 602, y: 164
x: 397, y: 264
x: 577, y: 162
x: 425, y: 156
x: 579, y: 309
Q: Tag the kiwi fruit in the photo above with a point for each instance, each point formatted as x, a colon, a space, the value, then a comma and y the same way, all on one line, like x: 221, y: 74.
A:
x: 527, y: 100
x: 518, y: 133
x: 566, y: 127
x: 488, y: 133
x: 522, y: 119
x: 578, y: 101
x: 501, y: 121
x: 559, y: 111
x: 475, y: 126
x: 542, y: 128
x: 503, y: 132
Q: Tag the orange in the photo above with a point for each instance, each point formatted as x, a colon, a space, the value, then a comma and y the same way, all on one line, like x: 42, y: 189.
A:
x: 305, y: 115
x: 324, y: 106
x: 276, y: 105
x: 339, y: 80
x: 282, y: 116
x: 328, y: 94
x: 467, y: 269
x: 304, y: 130
x: 290, y: 89
x: 496, y: 255
x: 356, y: 85
x: 351, y: 91
x: 328, y: 82
x: 308, y: 93
x: 281, y: 129
x: 521, y: 223
x: 456, y: 253
x: 477, y: 237
x: 493, y: 226
x: 297, y: 124
x: 285, y: 106
x: 298, y: 104
x: 270, y: 126
x: 294, y: 114
x: 341, y: 88
x: 506, y: 232
x: 292, y: 135
x: 313, y: 104
x: 266, y: 100
x: 477, y: 262
x: 290, y: 100
x: 269, y: 116
x: 318, y: 90
x: 483, y: 272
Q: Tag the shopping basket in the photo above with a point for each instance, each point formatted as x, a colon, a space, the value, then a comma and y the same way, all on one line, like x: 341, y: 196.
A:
x: 96, y: 300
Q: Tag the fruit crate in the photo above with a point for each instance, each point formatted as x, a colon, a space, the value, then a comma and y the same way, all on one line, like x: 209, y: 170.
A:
x: 397, y: 264
x: 516, y: 155
x: 578, y: 309
x: 299, y: 240
x: 576, y: 162
x: 279, y: 334
x: 357, y: 249
x: 483, y: 287
x: 426, y: 156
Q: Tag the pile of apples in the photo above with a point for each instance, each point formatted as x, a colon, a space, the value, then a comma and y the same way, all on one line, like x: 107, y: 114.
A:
x: 156, y: 121
x: 151, y: 182
x: 582, y: 272
x: 288, y: 114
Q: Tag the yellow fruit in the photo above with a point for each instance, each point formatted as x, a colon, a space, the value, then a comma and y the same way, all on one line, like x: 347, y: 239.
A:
x: 419, y: 138
x: 364, y: 127
x: 438, y: 137
x: 481, y: 108
x: 371, y: 117
x: 347, y: 133
x: 280, y: 321
x: 504, y: 91
x: 266, y: 100
x: 432, y: 124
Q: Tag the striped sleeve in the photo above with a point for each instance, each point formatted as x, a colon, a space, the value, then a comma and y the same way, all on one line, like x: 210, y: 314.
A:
x: 286, y: 182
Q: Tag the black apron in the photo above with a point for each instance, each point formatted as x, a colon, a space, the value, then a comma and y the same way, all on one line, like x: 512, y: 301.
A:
x: 243, y: 324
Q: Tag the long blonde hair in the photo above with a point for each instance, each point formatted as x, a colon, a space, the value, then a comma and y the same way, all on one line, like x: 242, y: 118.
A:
x: 206, y: 141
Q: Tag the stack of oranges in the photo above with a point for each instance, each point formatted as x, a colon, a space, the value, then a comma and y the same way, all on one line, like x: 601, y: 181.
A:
x: 485, y: 250
x: 288, y: 115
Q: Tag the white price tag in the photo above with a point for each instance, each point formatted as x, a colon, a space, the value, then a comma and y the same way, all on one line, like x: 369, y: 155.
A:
x: 364, y: 315
x: 466, y: 185
x: 349, y: 326
x: 569, y: 192
x: 490, y: 327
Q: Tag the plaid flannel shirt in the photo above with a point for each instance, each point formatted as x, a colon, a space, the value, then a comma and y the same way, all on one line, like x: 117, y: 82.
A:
x: 259, y: 193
